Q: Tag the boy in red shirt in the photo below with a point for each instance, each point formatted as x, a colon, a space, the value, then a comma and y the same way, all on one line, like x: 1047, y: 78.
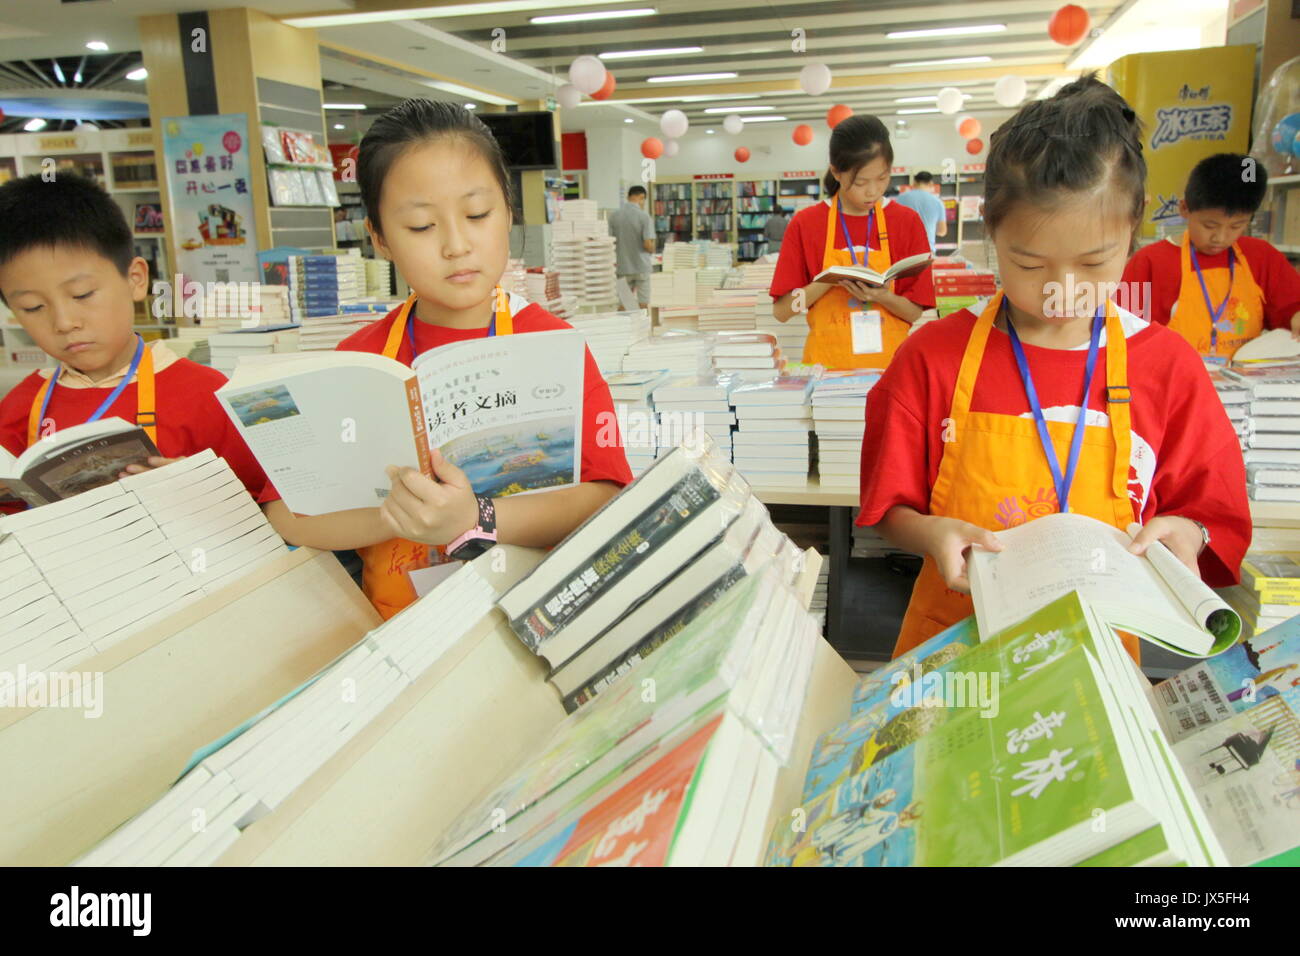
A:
x: 69, y: 275
x: 1216, y: 287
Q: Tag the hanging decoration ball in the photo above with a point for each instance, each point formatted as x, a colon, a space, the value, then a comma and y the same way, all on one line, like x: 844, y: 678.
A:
x: 568, y: 96
x: 949, y: 100
x: 803, y: 134
x: 733, y: 124
x: 674, y: 124
x: 975, y: 146
x: 837, y: 114
x: 1286, y: 135
x: 969, y: 127
x: 606, y: 88
x: 652, y: 148
x: 587, y: 73
x: 1010, y: 90
x: 815, y: 79
x: 742, y: 154
x: 1068, y: 25
x: 670, y: 148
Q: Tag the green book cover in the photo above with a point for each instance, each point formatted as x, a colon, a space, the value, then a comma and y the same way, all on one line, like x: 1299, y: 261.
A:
x: 1148, y: 848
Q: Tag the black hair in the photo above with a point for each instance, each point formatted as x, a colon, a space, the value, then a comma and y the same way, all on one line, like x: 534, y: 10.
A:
x: 68, y: 210
x: 856, y: 141
x: 636, y: 191
x: 411, y: 123
x: 923, y: 177
x: 1220, y: 182
x: 1074, y: 142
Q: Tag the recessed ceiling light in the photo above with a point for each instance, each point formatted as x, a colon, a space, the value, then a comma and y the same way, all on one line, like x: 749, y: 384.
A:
x: 339, y: 126
x: 345, y: 106
x: 627, y: 119
x: 471, y: 106
x: 688, y: 77
x: 738, y: 109
x: 99, y: 46
x: 926, y: 99
x: 662, y: 51
x: 953, y: 60
x: 709, y: 131
x: 598, y: 15
x: 762, y: 119
x: 34, y: 125
x: 933, y: 109
x: 138, y: 74
x: 462, y: 92
x: 947, y: 31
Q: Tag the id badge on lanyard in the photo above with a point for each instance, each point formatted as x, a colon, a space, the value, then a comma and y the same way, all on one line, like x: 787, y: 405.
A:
x: 867, y: 336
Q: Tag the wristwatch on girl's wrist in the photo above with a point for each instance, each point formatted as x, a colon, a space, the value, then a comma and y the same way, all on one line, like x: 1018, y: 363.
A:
x: 480, y: 538
x: 1205, y: 534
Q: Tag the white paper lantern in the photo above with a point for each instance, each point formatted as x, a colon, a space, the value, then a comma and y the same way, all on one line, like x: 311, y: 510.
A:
x: 733, y: 124
x: 1010, y: 90
x: 568, y: 96
x: 670, y: 148
x: 815, y: 79
x: 674, y: 124
x: 950, y: 100
x: 587, y: 73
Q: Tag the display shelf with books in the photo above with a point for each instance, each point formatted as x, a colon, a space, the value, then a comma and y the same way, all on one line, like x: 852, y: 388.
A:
x: 714, y: 216
x: 795, y: 193
x: 300, y: 171
x: 671, y: 208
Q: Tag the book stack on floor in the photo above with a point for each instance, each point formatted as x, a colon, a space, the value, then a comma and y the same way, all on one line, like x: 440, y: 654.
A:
x: 1236, y: 402
x: 727, y: 312
x: 681, y: 255
x: 319, y: 284
x: 113, y: 559
x: 955, y: 769
x: 684, y: 318
x: 609, y: 335
x: 674, y: 351
x: 686, y: 403
x: 227, y: 348
x: 752, y: 355
x: 1269, y: 592
x: 672, y: 289
x: 688, y: 780
x: 254, y: 769
x: 227, y: 308
x: 960, y: 288
x: 707, y: 281
x: 790, y: 336
x: 1272, y: 431
x: 771, y: 443
x: 599, y: 278
x: 637, y: 425
x: 839, y: 403
x: 379, y: 278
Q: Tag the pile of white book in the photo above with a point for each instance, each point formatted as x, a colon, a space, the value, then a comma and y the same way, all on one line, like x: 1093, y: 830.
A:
x: 821, y: 596
x: 686, y: 403
x: 320, y: 284
x: 1271, y: 431
x: 839, y: 404
x: 727, y: 312
x: 675, y: 351
x: 637, y: 425
x: 753, y: 355
x: 379, y: 278
x: 674, y: 288
x: 868, y: 544
x: 1236, y: 400
x: 227, y: 348
x: 718, y: 256
x: 84, y: 573
x: 323, y: 333
x: 681, y: 255
x: 255, y: 768
x: 578, y: 210
x: 228, y: 307
x: 790, y: 335
x: 609, y: 335
x: 599, y: 272
x: 771, y: 444
x: 543, y: 288
x: 191, y: 341
x: 679, y: 318
x: 707, y: 281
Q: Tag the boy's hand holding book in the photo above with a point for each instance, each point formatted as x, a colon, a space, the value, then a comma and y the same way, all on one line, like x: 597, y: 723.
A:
x: 154, y: 461
x: 419, y: 508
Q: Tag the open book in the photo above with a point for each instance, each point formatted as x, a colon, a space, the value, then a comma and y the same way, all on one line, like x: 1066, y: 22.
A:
x: 1154, y: 596
x: 1274, y: 347
x: 507, y: 410
x: 900, y: 269
x: 74, y: 460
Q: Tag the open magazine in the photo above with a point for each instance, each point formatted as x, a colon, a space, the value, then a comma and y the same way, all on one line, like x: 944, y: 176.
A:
x: 898, y: 270
x: 74, y: 460
x: 507, y: 410
x: 1155, y: 596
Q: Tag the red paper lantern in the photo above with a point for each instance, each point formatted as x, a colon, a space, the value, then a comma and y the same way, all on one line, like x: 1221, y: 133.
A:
x: 803, y: 134
x: 652, y: 148
x: 608, y: 88
x: 837, y: 114
x: 742, y: 154
x: 1068, y: 25
x: 969, y: 127
x: 975, y: 146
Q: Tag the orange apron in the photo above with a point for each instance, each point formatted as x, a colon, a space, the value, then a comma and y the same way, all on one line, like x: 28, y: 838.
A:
x: 830, y: 334
x: 1242, y: 318
x: 146, y: 414
x: 386, y: 567
x: 994, y: 474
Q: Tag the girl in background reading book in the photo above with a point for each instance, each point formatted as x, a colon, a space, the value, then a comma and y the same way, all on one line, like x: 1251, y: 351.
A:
x: 856, y: 225
x: 977, y: 427
x: 437, y: 190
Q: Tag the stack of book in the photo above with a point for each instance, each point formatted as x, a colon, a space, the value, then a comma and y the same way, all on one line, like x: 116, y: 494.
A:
x: 771, y: 443
x: 673, y: 289
x: 379, y: 278
x: 191, y: 342
x: 228, y: 307
x: 868, y: 544
x: 839, y: 403
x: 680, y: 255
x: 599, y: 277
x: 542, y: 286
x: 821, y: 596
x: 227, y: 348
x: 790, y: 336
x: 719, y: 256
x: 637, y: 426
x: 684, y: 404
x: 323, y: 333
x: 727, y: 313
x: 609, y: 335
x: 1236, y: 401
x: 706, y: 282
x: 252, y: 770
x: 685, y: 318
x: 38, y: 630
x: 675, y: 351
x: 1271, y: 431
x: 1269, y: 593
x: 515, y: 278
x: 960, y: 288
x: 319, y: 284
x: 753, y: 355
x: 578, y: 210
x: 751, y: 275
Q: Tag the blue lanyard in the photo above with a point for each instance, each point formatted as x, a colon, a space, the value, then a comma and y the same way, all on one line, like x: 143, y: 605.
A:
x: 848, y: 241
x: 1215, y: 314
x: 112, y: 396
x: 410, y: 331
x: 1062, y: 482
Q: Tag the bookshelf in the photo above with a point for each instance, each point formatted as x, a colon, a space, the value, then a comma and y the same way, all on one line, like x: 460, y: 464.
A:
x: 672, y: 212
x: 756, y: 200
x: 797, y: 192
x: 714, y: 217
x: 1278, y: 219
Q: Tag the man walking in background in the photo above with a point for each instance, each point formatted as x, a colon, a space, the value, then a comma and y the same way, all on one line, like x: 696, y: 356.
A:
x: 922, y: 199
x: 634, y: 240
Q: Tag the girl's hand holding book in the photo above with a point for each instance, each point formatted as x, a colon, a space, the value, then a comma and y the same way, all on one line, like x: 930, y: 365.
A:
x: 1180, y: 535
x: 947, y: 540
x: 419, y: 508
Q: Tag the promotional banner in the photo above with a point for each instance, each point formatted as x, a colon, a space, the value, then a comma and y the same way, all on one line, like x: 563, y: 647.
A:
x: 206, y: 159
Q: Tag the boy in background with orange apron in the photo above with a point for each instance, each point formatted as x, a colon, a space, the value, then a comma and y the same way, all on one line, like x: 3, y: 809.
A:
x: 1216, y: 287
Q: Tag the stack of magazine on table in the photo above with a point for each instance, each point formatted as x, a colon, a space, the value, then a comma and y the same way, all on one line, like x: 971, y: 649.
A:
x: 1269, y: 592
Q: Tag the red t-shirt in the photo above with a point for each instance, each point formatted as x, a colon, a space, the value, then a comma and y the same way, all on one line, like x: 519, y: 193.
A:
x: 1186, y: 456
x: 190, y: 418
x: 598, y: 463
x: 1160, y: 264
x: 805, y: 241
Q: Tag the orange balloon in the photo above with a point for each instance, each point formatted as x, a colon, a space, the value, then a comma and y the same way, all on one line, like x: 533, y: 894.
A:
x: 837, y: 114
x: 975, y: 146
x: 803, y: 134
x: 969, y: 127
x: 606, y: 89
x: 652, y: 148
x: 1068, y: 25
x: 742, y: 154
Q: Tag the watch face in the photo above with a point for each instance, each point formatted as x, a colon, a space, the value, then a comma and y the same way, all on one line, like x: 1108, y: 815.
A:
x: 472, y: 549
